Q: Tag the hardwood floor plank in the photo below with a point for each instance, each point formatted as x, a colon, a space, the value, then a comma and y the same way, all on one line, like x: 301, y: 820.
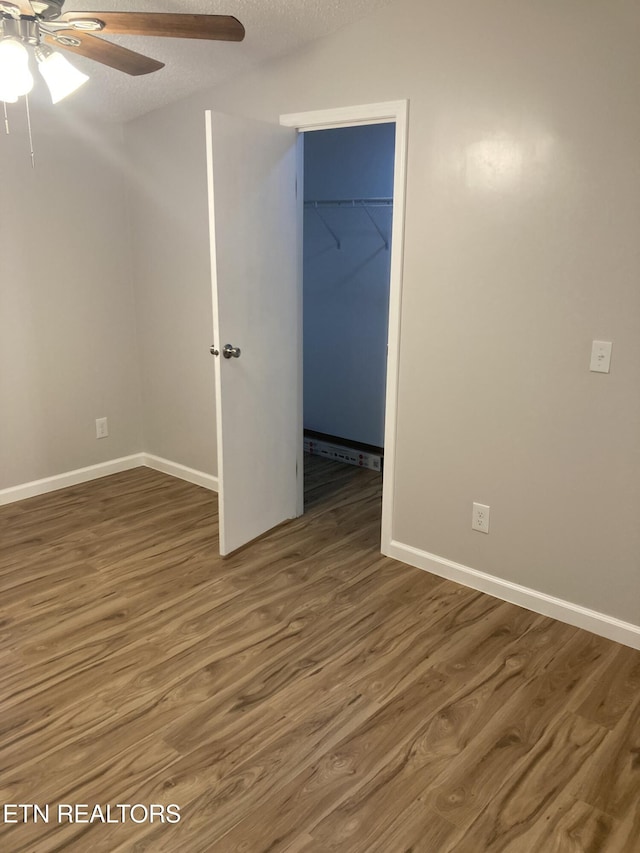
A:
x: 570, y: 825
x: 476, y: 631
x: 615, y: 690
x: 447, y: 733
x: 416, y: 830
x: 474, y: 777
x: 315, y: 791
x: 613, y: 785
x: 90, y: 772
x: 536, y: 780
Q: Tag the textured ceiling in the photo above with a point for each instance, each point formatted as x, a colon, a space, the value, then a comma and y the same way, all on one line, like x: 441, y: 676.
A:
x: 273, y: 27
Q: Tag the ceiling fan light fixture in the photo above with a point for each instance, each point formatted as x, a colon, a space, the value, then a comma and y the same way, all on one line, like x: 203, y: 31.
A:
x: 10, y: 9
x: 15, y: 77
x: 7, y: 96
x: 61, y: 77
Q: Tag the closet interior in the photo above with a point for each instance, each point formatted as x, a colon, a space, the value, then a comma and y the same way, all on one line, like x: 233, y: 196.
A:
x: 348, y: 213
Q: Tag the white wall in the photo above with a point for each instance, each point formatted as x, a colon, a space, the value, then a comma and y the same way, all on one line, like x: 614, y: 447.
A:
x: 171, y: 271
x: 522, y: 222
x: 346, y: 289
x: 67, y: 327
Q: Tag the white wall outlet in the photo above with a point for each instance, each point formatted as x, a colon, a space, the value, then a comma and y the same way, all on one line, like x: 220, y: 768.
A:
x: 102, y: 428
x: 600, y: 356
x: 480, y: 518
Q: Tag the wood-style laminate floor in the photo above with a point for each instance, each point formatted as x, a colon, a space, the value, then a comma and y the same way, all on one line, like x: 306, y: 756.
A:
x: 305, y: 695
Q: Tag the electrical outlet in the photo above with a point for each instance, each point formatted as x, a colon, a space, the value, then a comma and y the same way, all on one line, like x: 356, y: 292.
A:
x: 480, y: 518
x: 102, y: 428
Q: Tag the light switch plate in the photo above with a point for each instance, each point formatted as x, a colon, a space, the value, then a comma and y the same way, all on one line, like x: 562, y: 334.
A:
x: 600, y: 356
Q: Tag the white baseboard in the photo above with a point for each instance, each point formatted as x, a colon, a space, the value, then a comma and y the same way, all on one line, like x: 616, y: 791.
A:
x: 208, y: 481
x: 565, y: 611
x: 103, y: 469
x: 69, y: 478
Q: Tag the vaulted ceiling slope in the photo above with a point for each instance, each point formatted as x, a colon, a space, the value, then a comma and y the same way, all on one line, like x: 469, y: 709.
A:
x: 273, y: 28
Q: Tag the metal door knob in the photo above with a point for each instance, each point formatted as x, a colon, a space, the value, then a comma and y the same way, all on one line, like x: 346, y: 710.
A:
x: 230, y: 352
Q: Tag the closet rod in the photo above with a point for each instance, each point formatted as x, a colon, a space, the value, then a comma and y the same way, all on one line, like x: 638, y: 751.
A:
x: 356, y: 203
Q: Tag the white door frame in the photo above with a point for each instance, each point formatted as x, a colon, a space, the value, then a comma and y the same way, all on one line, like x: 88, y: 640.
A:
x: 397, y: 112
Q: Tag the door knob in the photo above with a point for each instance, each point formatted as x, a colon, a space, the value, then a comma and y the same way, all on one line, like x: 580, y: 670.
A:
x: 213, y: 350
x: 230, y: 352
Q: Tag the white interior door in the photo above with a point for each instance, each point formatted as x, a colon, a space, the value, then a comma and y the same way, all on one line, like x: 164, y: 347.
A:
x: 253, y: 221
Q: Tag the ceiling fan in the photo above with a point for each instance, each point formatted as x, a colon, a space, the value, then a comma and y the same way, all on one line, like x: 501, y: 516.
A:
x: 42, y: 25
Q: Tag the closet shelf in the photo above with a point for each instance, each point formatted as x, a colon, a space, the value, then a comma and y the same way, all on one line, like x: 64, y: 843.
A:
x: 361, y: 203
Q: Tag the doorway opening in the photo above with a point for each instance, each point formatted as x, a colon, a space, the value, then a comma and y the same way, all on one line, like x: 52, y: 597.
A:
x: 347, y: 225
x: 387, y: 232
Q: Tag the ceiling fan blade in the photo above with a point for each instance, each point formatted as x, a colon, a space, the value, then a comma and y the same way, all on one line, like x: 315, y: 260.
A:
x: 167, y: 24
x: 103, y: 51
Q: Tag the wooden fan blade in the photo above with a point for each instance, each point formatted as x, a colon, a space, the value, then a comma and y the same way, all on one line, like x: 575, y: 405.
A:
x: 166, y: 24
x: 105, y: 52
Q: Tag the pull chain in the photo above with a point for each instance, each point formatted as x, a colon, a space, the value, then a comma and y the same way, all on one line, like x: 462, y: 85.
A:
x: 33, y: 162
x: 6, y: 118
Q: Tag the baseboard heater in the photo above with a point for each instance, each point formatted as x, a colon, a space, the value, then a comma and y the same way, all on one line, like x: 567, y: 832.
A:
x: 342, y: 450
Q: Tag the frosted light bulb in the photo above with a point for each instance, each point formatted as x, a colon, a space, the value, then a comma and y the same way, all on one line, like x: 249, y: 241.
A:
x: 7, y: 95
x: 15, y: 77
x: 60, y: 75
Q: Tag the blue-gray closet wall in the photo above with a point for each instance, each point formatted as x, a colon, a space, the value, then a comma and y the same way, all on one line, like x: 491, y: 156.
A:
x: 346, y: 288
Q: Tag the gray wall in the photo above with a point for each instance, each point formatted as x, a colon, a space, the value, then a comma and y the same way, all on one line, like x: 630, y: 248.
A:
x: 68, y: 350
x: 346, y: 289
x: 522, y: 222
x: 171, y: 271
